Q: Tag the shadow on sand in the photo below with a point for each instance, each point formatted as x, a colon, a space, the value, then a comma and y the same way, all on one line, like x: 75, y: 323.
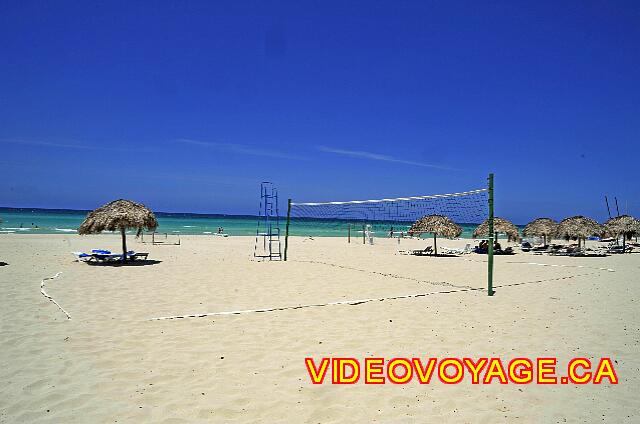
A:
x: 137, y: 262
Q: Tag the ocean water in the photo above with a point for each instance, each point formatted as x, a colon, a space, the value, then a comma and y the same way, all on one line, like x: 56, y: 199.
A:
x: 63, y: 221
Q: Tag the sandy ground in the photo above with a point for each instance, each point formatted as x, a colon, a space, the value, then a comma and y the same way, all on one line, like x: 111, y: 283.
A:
x: 111, y: 363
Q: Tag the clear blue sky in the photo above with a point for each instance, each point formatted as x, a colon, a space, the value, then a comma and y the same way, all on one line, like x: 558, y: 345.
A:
x: 187, y: 106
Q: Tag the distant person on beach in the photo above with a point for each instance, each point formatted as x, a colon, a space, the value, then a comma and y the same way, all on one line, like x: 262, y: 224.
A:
x: 496, y: 246
x: 391, y: 232
x: 220, y: 230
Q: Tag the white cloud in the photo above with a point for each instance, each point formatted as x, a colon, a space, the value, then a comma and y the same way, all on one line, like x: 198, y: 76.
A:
x: 376, y: 156
x: 97, y: 146
x: 238, y: 149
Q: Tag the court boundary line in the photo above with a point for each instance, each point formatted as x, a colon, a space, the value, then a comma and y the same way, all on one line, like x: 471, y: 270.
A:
x: 355, y: 302
x: 45, y: 294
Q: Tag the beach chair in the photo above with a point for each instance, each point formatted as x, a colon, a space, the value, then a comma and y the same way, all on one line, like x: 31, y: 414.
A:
x: 101, y: 251
x: 567, y: 251
x: 81, y: 256
x: 588, y: 253
x: 105, y: 257
x: 427, y: 251
x: 109, y: 257
x: 457, y: 251
x: 138, y: 255
x: 619, y: 249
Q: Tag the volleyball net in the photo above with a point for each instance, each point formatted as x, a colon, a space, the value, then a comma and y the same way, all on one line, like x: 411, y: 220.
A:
x: 390, y: 217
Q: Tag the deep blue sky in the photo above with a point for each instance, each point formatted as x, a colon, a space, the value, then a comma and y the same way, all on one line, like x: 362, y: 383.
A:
x: 187, y: 106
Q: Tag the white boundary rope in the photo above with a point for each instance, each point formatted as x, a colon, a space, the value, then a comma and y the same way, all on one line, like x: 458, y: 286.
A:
x: 554, y: 265
x: 44, y: 293
x: 311, y: 305
x: 360, y: 301
x: 564, y: 266
x: 435, y: 196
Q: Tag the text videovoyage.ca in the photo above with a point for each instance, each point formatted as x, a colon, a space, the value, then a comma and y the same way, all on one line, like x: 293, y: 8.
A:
x: 545, y: 370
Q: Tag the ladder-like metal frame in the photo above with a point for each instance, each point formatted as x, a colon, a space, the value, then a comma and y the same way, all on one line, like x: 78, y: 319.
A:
x: 268, y: 224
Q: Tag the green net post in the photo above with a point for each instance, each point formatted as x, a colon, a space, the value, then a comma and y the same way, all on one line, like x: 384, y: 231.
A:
x: 490, y: 291
x: 286, y: 230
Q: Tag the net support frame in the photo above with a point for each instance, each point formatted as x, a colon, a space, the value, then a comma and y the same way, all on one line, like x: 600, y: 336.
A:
x: 489, y: 190
x: 490, y: 291
x: 286, y: 230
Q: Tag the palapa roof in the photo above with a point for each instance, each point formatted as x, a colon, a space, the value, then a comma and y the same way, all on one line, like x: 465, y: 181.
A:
x: 117, y: 215
x: 540, y: 227
x: 623, y: 224
x: 578, y: 227
x: 500, y: 225
x: 436, y: 224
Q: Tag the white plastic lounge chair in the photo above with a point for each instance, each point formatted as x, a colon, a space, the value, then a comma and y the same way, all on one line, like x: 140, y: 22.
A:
x: 81, y: 256
x: 456, y: 251
x: 107, y: 257
x: 427, y: 251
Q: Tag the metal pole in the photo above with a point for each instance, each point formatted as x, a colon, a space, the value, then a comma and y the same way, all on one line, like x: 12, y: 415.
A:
x: 607, y: 202
x: 617, y: 210
x: 364, y: 236
x: 286, y: 231
x: 490, y: 291
x: 349, y: 234
x: 435, y: 245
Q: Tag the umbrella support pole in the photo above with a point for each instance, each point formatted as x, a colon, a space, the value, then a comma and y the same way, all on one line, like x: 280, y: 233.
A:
x: 124, y: 245
x: 435, y: 245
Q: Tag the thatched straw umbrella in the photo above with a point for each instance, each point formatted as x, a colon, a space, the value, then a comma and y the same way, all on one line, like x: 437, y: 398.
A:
x: 119, y: 215
x: 624, y: 225
x: 541, y: 227
x: 438, y: 225
x: 500, y: 225
x: 578, y: 227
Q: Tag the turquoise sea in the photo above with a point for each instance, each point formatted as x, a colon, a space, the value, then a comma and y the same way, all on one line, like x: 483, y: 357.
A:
x: 63, y: 221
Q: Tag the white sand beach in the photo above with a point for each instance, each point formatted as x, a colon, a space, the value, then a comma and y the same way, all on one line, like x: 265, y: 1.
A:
x: 112, y: 363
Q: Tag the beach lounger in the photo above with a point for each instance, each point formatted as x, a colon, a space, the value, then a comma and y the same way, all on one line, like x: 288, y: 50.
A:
x: 427, y: 251
x: 456, y: 251
x: 507, y: 251
x: 108, y: 257
x: 105, y: 257
x: 618, y: 249
x: 81, y: 256
x: 101, y: 251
